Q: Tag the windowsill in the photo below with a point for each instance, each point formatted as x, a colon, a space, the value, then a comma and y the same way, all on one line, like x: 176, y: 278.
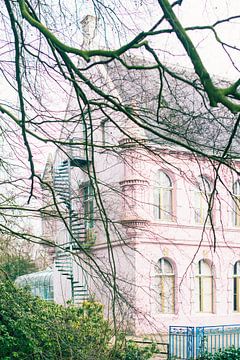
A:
x: 175, y: 223
x: 159, y: 221
x: 200, y: 226
x: 204, y: 313
x: 193, y: 225
x: 233, y: 228
x: 165, y: 314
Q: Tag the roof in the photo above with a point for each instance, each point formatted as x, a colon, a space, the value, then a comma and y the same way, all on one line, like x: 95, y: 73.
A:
x: 40, y: 278
x: 175, y: 111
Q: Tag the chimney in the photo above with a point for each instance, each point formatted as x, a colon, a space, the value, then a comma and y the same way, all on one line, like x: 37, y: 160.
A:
x: 88, y: 29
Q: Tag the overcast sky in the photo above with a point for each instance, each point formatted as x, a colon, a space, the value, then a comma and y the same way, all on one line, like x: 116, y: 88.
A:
x: 138, y: 17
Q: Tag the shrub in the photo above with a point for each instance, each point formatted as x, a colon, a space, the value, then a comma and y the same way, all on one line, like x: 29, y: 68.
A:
x: 13, y: 266
x: 230, y: 353
x: 131, y: 351
x: 33, y: 329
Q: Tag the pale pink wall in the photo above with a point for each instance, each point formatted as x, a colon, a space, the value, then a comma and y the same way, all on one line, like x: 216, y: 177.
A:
x: 145, y: 240
x: 126, y: 180
x: 179, y: 242
x: 61, y: 288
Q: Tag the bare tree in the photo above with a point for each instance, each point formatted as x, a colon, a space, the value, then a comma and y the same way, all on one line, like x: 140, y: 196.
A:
x: 73, y: 92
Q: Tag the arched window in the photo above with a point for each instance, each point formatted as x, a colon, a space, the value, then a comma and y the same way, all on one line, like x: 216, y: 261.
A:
x: 236, y: 286
x: 166, y: 285
x: 163, y: 197
x: 204, y: 287
x: 236, y: 203
x: 201, y: 198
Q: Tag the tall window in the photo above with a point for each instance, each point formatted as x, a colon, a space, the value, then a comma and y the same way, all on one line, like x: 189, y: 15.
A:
x: 236, y: 286
x: 88, y: 205
x: 166, y: 286
x: 201, y: 198
x: 236, y: 203
x: 163, y: 196
x: 103, y: 130
x: 204, y: 287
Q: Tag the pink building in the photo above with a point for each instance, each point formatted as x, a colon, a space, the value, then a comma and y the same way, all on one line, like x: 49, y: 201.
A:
x: 144, y: 224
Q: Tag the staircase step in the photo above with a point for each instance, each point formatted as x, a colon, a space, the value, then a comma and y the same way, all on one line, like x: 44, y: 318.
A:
x: 63, y: 262
x: 65, y: 271
x: 59, y: 176
x: 67, y: 274
x: 80, y: 288
x: 81, y: 296
x: 62, y: 266
x: 62, y: 169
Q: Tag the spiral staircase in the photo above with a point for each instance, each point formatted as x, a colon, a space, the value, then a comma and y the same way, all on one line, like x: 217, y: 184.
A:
x: 64, y: 259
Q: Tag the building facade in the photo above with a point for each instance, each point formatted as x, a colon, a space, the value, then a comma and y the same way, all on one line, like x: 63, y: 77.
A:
x: 145, y: 213
x: 167, y: 246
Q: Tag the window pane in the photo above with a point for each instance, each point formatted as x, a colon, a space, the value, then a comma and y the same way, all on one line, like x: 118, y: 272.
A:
x: 164, y: 180
x: 236, y: 206
x: 238, y: 294
x: 167, y: 294
x: 201, y: 197
x: 164, y: 267
x: 236, y: 188
x: 236, y: 286
x: 204, y: 287
x: 197, y: 207
x: 162, y: 198
x: 205, y: 268
x: 166, y: 204
x: 235, y: 293
x: 156, y: 202
x: 197, y: 293
x: 207, y: 294
x: 236, y: 268
x: 166, y: 286
x: 200, y: 208
x: 160, y: 266
x: 167, y: 267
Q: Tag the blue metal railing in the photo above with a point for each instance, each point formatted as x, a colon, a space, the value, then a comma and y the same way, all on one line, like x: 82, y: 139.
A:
x: 181, y: 342
x: 212, y: 338
x: 186, y: 342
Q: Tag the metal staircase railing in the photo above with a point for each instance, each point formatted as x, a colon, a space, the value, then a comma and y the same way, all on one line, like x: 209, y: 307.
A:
x: 62, y: 185
x: 64, y: 257
x: 64, y: 264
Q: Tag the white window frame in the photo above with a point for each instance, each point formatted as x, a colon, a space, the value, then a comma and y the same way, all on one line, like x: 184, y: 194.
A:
x: 160, y: 191
x: 236, y: 286
x: 204, y: 281
x: 236, y: 203
x: 164, y: 278
x: 202, y: 195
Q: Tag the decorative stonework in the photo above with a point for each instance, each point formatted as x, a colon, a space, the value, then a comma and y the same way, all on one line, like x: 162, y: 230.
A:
x: 165, y: 252
x: 133, y: 182
x: 135, y: 222
x: 135, y: 228
x: 128, y: 142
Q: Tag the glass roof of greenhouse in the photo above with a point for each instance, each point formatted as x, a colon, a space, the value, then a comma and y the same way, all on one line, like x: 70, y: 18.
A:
x: 39, y: 283
x: 40, y: 278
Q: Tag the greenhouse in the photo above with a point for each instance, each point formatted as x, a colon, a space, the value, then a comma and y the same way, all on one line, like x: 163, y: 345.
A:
x: 39, y: 283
